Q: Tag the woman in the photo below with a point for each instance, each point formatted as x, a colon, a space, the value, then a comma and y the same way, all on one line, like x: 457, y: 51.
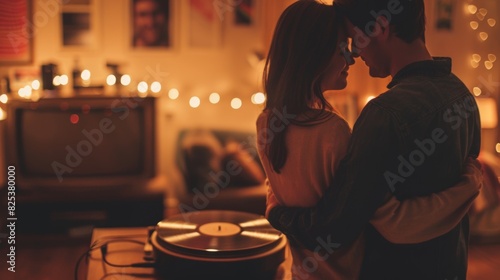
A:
x: 302, y: 139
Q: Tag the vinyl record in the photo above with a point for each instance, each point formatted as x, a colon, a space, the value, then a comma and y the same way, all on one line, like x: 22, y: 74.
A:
x: 217, y: 233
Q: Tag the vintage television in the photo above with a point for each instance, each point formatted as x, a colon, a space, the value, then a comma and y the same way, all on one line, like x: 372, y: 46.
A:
x: 83, y: 143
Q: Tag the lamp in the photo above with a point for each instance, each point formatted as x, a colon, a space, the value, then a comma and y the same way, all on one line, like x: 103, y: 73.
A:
x: 487, y: 112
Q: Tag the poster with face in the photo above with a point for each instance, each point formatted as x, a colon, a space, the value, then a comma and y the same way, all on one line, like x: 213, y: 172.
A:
x: 150, y: 23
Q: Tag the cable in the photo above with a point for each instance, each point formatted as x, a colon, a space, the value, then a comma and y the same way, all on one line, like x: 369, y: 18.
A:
x: 104, y: 252
x: 102, y: 244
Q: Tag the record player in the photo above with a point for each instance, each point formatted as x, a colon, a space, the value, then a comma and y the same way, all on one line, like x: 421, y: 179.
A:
x: 217, y: 245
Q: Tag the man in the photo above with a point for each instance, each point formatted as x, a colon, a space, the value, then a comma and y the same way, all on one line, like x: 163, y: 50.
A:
x: 418, y: 133
x: 150, y: 23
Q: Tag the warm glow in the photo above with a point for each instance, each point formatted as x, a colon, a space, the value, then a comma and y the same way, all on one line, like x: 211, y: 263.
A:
x: 488, y: 65
x: 4, y: 98
x: 476, y: 57
x: 483, y: 11
x: 258, y: 98
x: 492, y: 22
x: 214, y: 98
x: 35, y: 96
x: 487, y: 112
x: 194, y: 102
x: 369, y: 98
x: 155, y: 87
x: 56, y: 81
x: 261, y: 235
x: 472, y: 9
x: 173, y: 93
x: 236, y: 103
x: 26, y: 92
x: 111, y: 80
x: 35, y: 85
x: 483, y: 36
x: 64, y: 80
x: 474, y: 64
x: 492, y: 57
x: 477, y: 91
x: 142, y: 87
x: 125, y: 80
x: 85, y: 75
x: 2, y: 115
x: 171, y: 225
x: 74, y: 118
x: 474, y: 25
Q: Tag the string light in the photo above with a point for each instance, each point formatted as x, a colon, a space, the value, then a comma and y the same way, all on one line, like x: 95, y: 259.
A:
x: 125, y: 80
x: 35, y: 85
x: 483, y: 36
x: 64, y: 79
x: 258, y: 98
x: 214, y: 98
x: 155, y: 87
x: 472, y: 9
x: 474, y: 25
x: 236, y: 103
x: 483, y: 12
x: 476, y: 57
x: 111, y: 80
x: 2, y: 115
x: 4, y: 98
x: 488, y: 65
x: 142, y: 87
x: 25, y: 92
x: 477, y: 91
x: 480, y: 16
x: 194, y: 102
x: 173, y: 93
x: 492, y: 57
x: 56, y: 81
x: 498, y: 148
x: 492, y: 22
x: 85, y: 75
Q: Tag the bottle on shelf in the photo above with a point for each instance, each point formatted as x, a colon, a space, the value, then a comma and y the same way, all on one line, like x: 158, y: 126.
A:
x: 77, y: 74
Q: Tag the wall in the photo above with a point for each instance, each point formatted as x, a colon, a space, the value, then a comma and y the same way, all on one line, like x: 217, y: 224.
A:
x: 462, y: 42
x: 193, y: 71
x: 226, y: 70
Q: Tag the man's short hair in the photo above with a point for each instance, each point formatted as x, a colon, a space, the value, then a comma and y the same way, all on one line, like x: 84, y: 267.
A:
x: 406, y: 16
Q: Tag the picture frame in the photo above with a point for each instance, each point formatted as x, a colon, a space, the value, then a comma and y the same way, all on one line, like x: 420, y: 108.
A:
x: 16, y: 33
x: 79, y: 23
x: 151, y: 24
x: 444, y: 14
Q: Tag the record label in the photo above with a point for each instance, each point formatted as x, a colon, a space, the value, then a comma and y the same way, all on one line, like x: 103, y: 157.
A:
x: 219, y: 229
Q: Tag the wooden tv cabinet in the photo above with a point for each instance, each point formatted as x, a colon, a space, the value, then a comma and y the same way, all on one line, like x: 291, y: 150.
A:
x: 78, y: 212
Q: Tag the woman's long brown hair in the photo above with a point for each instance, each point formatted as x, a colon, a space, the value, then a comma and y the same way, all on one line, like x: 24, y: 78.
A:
x: 304, y: 40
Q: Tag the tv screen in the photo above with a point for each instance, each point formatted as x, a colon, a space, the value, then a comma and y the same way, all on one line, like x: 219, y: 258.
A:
x: 81, y: 142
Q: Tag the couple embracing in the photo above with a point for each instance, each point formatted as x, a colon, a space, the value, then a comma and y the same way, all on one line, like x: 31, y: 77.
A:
x: 389, y: 199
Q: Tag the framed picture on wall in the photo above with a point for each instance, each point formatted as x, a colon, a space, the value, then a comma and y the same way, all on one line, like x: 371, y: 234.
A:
x: 151, y: 24
x: 79, y: 24
x: 244, y: 12
x: 16, y: 37
x: 444, y: 14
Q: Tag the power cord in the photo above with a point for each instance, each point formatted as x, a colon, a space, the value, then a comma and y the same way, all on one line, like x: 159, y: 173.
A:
x: 103, y: 243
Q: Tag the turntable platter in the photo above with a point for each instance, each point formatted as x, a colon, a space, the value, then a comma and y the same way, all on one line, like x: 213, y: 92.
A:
x: 218, y: 244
